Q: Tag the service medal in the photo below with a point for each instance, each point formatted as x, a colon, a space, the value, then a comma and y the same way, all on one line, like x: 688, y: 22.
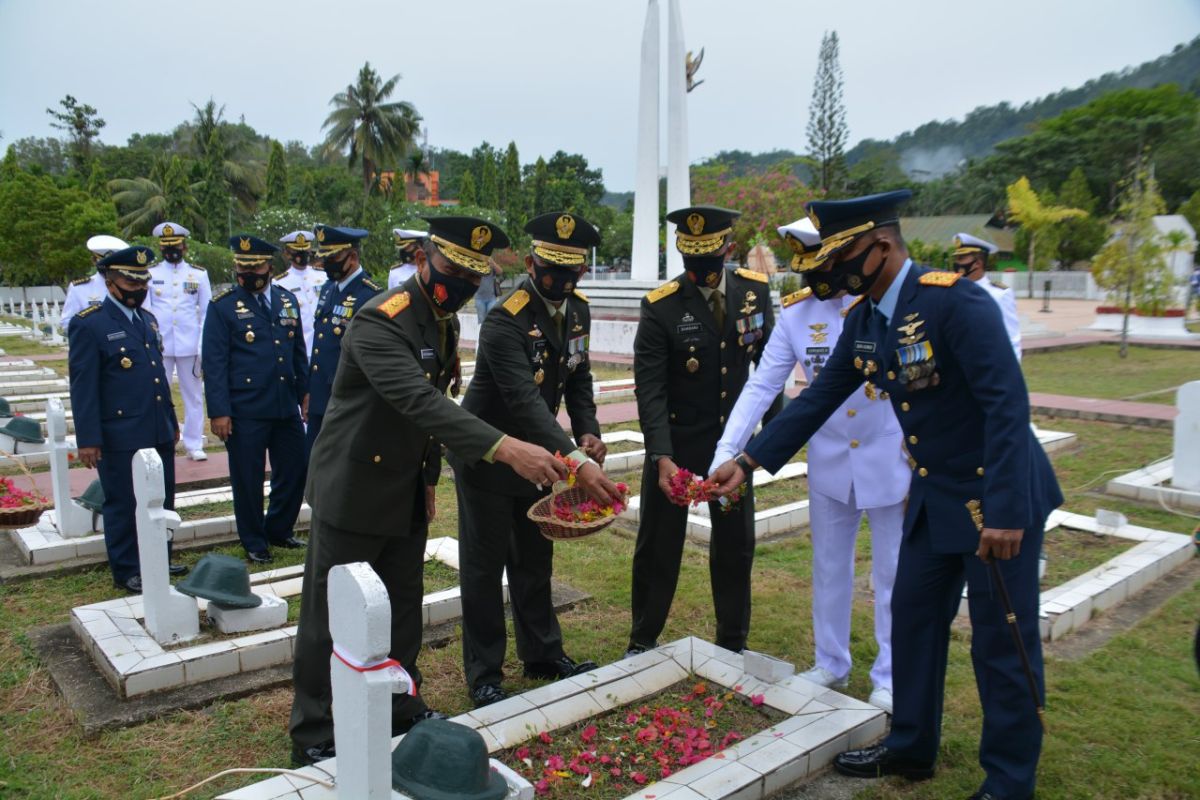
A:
x: 539, y: 376
x: 692, y: 364
x: 250, y: 336
x: 126, y: 363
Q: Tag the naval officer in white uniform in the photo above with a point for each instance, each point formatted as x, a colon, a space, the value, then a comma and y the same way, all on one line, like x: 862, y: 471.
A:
x: 970, y: 259
x: 302, y: 280
x: 90, y: 291
x: 856, y: 465
x: 179, y: 295
x: 407, y: 243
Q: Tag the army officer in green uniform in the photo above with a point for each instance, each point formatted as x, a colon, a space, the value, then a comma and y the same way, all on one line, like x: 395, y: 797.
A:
x: 377, y: 458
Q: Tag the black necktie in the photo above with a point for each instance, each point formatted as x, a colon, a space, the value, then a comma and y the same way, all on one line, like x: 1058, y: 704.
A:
x: 443, y: 325
x: 262, y: 302
x: 878, y: 327
x: 558, y: 322
x: 717, y: 303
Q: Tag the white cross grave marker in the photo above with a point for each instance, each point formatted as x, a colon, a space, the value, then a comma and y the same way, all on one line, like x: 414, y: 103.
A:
x: 73, y: 519
x: 1187, y: 438
x: 170, y: 615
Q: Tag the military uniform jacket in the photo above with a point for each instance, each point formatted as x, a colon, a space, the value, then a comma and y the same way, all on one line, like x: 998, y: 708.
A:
x: 387, y: 413
x: 945, y: 363
x: 335, y: 309
x: 524, y: 371
x: 860, y: 447
x: 179, y: 297
x: 120, y: 396
x: 254, y: 363
x: 688, y: 372
x: 81, y: 294
x: 306, y: 284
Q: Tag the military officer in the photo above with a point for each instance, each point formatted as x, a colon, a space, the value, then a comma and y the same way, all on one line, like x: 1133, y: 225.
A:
x: 856, y: 466
x: 257, y: 391
x: 122, y: 401
x: 935, y: 347
x: 347, y: 289
x: 90, y: 291
x: 302, y: 280
x: 697, y: 337
x: 379, y: 457
x: 407, y: 243
x: 533, y: 357
x: 970, y: 260
x: 179, y: 296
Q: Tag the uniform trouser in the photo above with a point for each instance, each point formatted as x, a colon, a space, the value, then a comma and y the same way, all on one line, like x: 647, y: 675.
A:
x: 834, y: 528
x: 925, y: 601
x: 494, y: 535
x: 249, y: 444
x: 187, y: 368
x: 310, y: 433
x: 120, y: 507
x: 400, y: 563
x: 657, y: 555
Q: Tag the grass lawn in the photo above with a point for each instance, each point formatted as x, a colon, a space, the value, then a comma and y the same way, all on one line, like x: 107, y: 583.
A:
x: 1148, y: 375
x: 1069, y: 554
x: 20, y: 346
x: 1118, y: 718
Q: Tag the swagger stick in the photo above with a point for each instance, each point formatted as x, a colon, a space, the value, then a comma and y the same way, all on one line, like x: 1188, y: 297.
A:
x: 1011, y: 618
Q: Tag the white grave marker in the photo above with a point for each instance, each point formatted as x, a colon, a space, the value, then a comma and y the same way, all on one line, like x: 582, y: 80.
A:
x: 73, y: 519
x: 1187, y: 438
x: 170, y: 615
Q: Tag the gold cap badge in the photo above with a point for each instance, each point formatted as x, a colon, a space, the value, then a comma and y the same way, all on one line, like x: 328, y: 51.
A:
x: 695, y: 223
x: 168, y: 230
x: 565, y: 225
x: 244, y: 244
x: 300, y: 240
x: 480, y: 236
x: 141, y: 257
x: 320, y: 234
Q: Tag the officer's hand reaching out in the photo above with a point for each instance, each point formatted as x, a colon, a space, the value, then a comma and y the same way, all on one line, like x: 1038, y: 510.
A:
x: 728, y: 476
x: 595, y: 448
x: 597, y: 485
x: 666, y: 470
x: 533, y: 463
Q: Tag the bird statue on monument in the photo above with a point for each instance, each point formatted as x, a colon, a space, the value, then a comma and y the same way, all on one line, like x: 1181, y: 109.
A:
x: 693, y: 65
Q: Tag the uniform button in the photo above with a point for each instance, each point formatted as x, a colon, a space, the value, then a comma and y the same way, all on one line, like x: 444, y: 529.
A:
x: 912, y: 440
x: 724, y: 370
x: 248, y: 380
x: 692, y: 348
x: 427, y: 376
x: 723, y: 345
x: 120, y: 413
x: 276, y: 341
x: 377, y: 459
x: 672, y: 415
x: 281, y: 359
x: 562, y: 360
x: 154, y: 363
x: 922, y: 472
x: 314, y: 367
x: 979, y: 470
x: 912, y: 462
x: 905, y: 406
x: 122, y: 350
x: 850, y: 412
x: 560, y: 384
x: 316, y: 350
x: 853, y: 443
x: 320, y: 336
x: 723, y: 393
x: 722, y: 419
x: 282, y: 378
x: 891, y: 375
x: 156, y: 380
x: 158, y: 397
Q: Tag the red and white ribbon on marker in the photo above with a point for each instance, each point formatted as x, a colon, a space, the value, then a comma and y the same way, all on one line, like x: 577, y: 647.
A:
x: 401, y: 674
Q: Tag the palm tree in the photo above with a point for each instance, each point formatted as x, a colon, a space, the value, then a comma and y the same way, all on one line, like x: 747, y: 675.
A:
x: 243, y: 175
x: 375, y: 131
x: 166, y: 194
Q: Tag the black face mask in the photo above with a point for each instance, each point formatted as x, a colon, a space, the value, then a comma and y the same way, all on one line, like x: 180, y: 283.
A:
x: 554, y: 283
x: 251, y: 281
x: 448, y: 292
x: 965, y: 269
x: 336, y: 270
x: 705, y: 271
x: 172, y: 254
x: 300, y: 259
x: 851, y: 274
x: 131, y: 298
x: 825, y: 285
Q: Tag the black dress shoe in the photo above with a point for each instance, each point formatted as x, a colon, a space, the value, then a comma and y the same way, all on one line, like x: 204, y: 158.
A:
x: 635, y: 650
x: 404, y: 726
x: 132, y: 585
x: 259, y: 557
x: 877, y: 761
x: 487, y: 694
x: 175, y: 570
x: 982, y: 795
x: 304, y: 756
x: 564, y: 667
x: 290, y: 543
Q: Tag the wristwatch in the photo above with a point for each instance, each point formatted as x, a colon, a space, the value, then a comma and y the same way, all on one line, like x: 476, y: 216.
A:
x: 744, y: 464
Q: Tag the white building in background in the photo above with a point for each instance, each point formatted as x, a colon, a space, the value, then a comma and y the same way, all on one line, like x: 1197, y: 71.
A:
x: 1181, y: 260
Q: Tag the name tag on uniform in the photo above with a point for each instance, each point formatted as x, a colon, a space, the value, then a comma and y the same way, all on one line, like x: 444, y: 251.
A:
x: 427, y: 352
x: 159, y: 282
x: 817, y: 351
x: 112, y: 337
x: 864, y: 347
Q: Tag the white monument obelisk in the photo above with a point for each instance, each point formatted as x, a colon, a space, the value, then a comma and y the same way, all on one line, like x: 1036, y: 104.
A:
x: 679, y: 184
x: 645, y: 190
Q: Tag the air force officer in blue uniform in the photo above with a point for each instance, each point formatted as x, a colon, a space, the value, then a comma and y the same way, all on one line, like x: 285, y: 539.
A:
x: 982, y: 487
x: 122, y: 401
x: 256, y: 387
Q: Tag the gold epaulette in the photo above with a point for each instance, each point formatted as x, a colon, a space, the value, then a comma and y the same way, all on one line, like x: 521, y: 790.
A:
x: 750, y: 274
x: 796, y: 297
x: 372, y: 285
x: 581, y: 296
x: 939, y: 278
x: 668, y: 288
x: 516, y: 301
x: 219, y: 295
x: 279, y: 277
x: 89, y: 310
x: 999, y: 285
x: 197, y: 266
x: 81, y: 281
x: 395, y: 304
x: 846, y: 311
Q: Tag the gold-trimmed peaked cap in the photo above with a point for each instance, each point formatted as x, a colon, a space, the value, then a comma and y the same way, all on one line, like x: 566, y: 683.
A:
x: 170, y: 233
x: 406, y: 237
x: 132, y: 262
x: 701, y: 230
x: 561, y: 238
x: 466, y: 241
x: 250, y: 251
x: 332, y: 240
x: 804, y: 240
x: 967, y: 245
x: 298, y: 241
x: 840, y: 222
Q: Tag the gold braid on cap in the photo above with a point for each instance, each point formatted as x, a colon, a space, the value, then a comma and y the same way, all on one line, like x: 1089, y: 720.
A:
x: 700, y: 245
x: 559, y: 253
x: 476, y: 262
x: 836, y: 241
x: 250, y: 260
x: 326, y: 249
x: 400, y: 241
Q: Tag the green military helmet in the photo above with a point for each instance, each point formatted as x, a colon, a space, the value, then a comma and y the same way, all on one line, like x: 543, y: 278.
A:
x: 93, y: 497
x: 5, y: 407
x: 23, y: 429
x: 223, y: 580
x: 443, y: 760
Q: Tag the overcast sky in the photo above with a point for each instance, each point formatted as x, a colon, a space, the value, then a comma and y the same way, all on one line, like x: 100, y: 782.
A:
x: 562, y: 74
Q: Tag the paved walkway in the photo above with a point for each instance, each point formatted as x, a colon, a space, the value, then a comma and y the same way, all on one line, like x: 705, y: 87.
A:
x: 188, y: 475
x: 1061, y: 405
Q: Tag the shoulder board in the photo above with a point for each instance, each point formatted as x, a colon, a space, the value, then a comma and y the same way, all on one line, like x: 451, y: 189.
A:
x: 751, y: 275
x: 516, y: 301
x: 370, y: 284
x: 581, y: 296
x: 279, y: 277
x: 668, y: 288
x: 81, y: 281
x: 395, y: 304
x: 846, y: 311
x: 939, y: 278
x: 796, y: 297
x: 999, y: 285
x: 89, y: 310
x: 197, y: 266
x: 219, y: 295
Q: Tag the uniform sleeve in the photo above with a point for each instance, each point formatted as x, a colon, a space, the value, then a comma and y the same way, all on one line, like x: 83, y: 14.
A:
x: 651, y: 349
x: 384, y: 354
x: 796, y: 424
x: 432, y: 468
x: 214, y: 361
x: 777, y: 361
x: 83, y: 368
x: 504, y: 342
x: 204, y: 296
x: 299, y: 358
x: 71, y: 306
